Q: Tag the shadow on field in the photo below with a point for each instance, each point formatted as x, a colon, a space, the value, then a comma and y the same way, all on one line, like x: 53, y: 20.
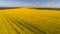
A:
x: 46, y: 8
x: 4, y: 8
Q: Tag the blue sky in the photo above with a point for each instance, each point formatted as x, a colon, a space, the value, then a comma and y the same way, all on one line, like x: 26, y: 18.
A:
x: 30, y: 3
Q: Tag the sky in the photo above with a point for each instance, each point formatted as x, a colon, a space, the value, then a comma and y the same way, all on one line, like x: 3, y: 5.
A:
x: 30, y: 3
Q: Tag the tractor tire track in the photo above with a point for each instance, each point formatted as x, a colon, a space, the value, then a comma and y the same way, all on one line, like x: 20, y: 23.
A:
x: 28, y: 26
x: 11, y: 24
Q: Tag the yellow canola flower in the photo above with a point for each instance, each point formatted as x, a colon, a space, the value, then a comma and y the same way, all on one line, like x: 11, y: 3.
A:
x: 29, y: 21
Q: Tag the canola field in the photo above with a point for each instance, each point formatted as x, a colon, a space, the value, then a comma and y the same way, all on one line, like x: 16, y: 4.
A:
x: 29, y: 21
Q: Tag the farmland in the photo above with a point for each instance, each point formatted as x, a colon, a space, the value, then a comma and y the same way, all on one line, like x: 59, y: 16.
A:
x: 29, y: 21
